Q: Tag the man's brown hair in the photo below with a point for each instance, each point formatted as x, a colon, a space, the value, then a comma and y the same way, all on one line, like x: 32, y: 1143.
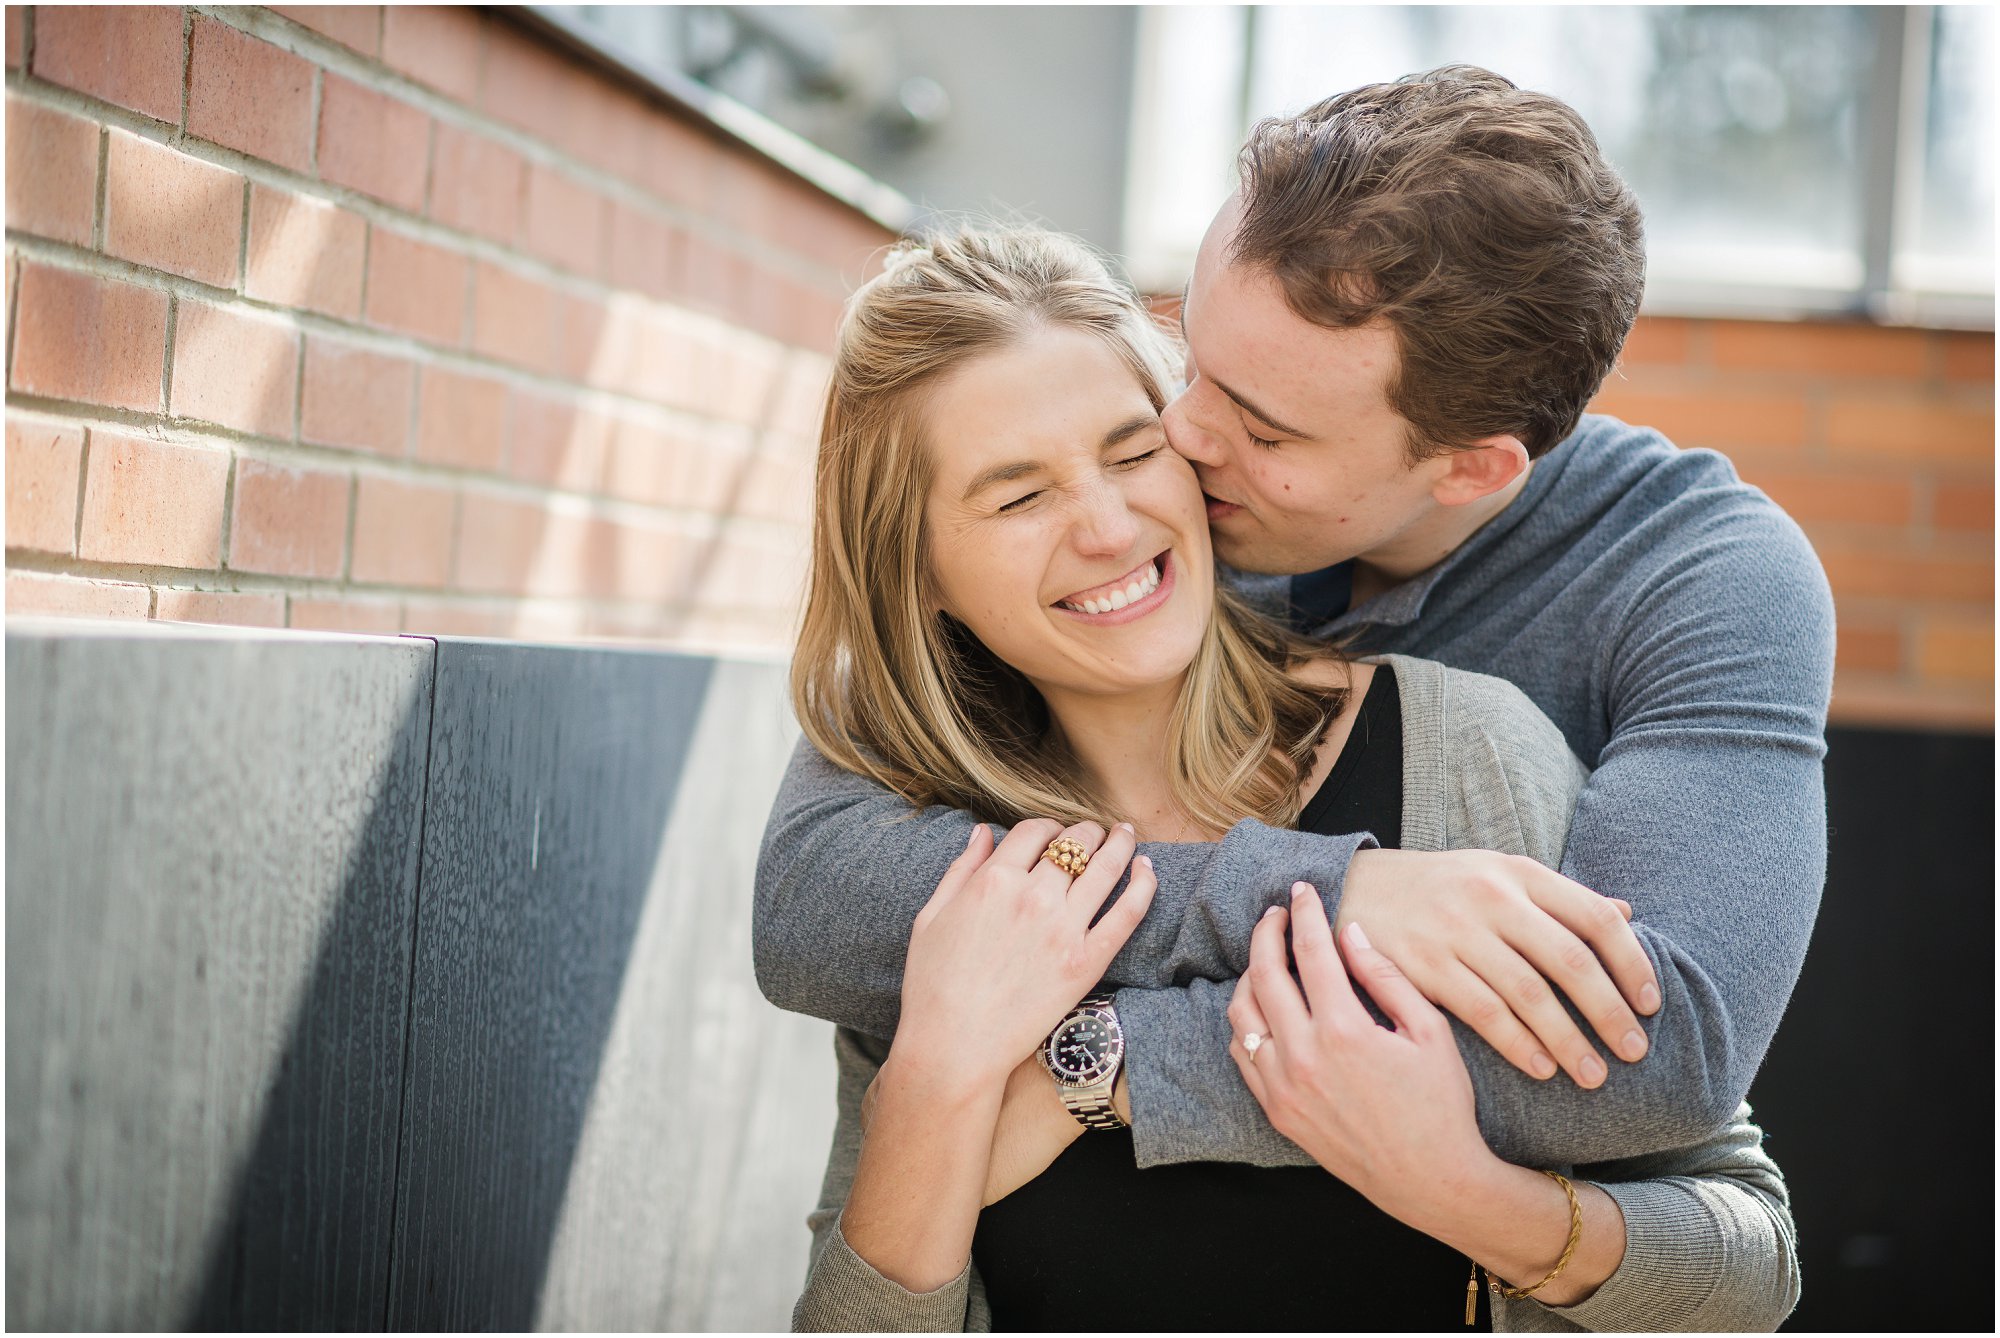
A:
x: 1479, y: 220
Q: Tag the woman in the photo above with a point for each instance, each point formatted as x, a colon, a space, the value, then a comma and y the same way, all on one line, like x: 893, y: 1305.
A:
x: 1013, y: 612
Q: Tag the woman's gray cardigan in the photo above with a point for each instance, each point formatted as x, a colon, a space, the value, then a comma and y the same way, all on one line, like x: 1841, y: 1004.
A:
x: 1709, y: 1240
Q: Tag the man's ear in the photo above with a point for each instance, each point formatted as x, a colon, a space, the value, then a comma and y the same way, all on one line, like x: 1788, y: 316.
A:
x: 1479, y: 470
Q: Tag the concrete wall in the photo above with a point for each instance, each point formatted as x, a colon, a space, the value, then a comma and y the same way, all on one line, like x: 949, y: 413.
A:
x: 363, y: 982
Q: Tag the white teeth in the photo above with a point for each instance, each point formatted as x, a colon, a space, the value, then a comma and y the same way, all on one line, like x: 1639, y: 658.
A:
x: 1144, y: 584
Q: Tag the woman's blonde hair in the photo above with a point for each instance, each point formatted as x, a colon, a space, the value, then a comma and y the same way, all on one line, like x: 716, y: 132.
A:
x: 888, y: 687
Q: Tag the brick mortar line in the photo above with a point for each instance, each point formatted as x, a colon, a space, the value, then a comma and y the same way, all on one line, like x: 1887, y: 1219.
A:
x: 241, y: 287
x: 378, y: 76
x: 166, y: 409
x: 62, y: 255
x: 317, y: 104
x: 409, y: 469
x: 353, y: 516
x: 13, y: 304
x: 222, y: 566
x: 233, y: 581
x: 187, y: 66
x: 100, y: 199
x: 82, y: 491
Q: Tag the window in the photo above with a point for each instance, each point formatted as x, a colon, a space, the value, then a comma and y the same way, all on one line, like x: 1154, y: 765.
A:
x: 1789, y: 159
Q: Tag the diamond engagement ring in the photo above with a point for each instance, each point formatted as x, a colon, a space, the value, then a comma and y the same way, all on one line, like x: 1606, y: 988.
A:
x: 1252, y: 1043
x: 1067, y: 855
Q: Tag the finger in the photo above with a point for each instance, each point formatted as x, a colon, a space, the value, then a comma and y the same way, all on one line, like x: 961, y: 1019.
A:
x: 1107, y: 865
x: 1624, y: 908
x: 1271, y: 977
x: 1569, y: 963
x: 1086, y: 834
x: 1025, y: 844
x: 1599, y: 922
x: 1246, y: 1064
x: 1524, y: 990
x: 1110, y: 933
x: 1472, y: 1001
x: 1328, y: 990
x: 1414, y: 1015
x: 977, y: 847
x: 1246, y: 1017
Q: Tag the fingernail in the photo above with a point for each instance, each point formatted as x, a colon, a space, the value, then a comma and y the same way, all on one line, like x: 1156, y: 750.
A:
x: 1542, y: 1066
x: 1123, y: 827
x: 1302, y: 889
x: 1270, y: 911
x: 1633, y: 1047
x: 1649, y: 998
x: 1358, y: 936
x: 1592, y: 1070
x: 973, y: 837
x: 1142, y: 859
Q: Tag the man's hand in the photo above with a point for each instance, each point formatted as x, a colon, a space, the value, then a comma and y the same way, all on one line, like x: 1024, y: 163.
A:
x: 1034, y: 1129
x: 1484, y: 936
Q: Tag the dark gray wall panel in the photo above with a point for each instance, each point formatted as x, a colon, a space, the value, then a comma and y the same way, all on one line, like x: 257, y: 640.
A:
x: 706, y: 1135
x: 553, y: 774
x: 212, y: 843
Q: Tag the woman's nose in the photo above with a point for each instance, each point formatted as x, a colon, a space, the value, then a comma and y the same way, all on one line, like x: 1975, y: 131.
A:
x: 1105, y: 525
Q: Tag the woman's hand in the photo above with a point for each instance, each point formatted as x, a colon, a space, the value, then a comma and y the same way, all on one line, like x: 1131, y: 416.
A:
x: 1389, y: 1112
x: 1005, y: 947
x: 1485, y: 935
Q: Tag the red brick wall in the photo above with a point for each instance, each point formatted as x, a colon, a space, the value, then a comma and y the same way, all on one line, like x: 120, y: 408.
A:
x: 1879, y: 442
x: 394, y: 319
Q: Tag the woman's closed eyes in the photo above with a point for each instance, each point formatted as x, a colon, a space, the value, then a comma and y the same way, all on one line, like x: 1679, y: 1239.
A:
x: 1021, y: 503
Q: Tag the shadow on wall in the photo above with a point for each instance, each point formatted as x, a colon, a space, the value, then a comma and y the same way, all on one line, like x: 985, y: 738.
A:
x: 362, y: 983
x: 541, y: 830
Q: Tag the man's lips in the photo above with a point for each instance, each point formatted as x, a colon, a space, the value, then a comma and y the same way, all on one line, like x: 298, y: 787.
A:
x: 1219, y: 509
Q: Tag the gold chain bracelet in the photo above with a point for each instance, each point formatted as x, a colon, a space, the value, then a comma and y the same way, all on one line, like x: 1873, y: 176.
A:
x: 1522, y: 1293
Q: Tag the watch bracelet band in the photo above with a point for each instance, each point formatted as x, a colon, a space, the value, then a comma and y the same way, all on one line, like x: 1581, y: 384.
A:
x: 1096, y: 1113
x: 1093, y: 1112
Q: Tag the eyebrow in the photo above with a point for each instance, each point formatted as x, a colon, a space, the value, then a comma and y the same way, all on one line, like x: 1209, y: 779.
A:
x: 1245, y: 405
x: 1015, y: 469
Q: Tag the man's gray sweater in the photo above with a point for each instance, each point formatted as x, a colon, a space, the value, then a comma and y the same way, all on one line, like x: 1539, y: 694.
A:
x: 1679, y: 631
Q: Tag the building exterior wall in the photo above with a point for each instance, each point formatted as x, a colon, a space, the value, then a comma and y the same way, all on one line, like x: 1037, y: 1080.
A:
x: 398, y: 319
x: 1879, y: 442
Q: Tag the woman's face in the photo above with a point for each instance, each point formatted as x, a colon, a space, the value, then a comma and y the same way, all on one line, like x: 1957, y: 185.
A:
x: 1064, y: 532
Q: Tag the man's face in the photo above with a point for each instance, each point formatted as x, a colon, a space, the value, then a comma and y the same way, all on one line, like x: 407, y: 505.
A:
x: 1288, y: 424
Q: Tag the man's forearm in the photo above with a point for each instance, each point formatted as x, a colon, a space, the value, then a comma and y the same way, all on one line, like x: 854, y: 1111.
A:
x: 846, y: 866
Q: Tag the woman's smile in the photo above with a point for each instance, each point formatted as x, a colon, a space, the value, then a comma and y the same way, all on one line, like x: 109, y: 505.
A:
x: 1127, y: 599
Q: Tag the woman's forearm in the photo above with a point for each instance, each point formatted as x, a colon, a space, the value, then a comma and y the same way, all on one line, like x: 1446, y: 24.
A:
x: 1515, y: 1222
x: 922, y: 1172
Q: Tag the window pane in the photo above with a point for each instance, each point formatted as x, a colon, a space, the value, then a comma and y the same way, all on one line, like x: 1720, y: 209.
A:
x: 1952, y: 246
x: 1736, y: 127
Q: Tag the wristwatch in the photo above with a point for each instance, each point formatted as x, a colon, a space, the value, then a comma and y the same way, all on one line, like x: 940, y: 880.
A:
x: 1083, y: 1055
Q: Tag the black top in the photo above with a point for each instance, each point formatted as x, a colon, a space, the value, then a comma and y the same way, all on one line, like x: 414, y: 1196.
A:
x: 1096, y: 1244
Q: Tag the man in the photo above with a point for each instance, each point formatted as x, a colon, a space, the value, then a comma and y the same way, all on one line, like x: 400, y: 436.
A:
x: 1393, y: 329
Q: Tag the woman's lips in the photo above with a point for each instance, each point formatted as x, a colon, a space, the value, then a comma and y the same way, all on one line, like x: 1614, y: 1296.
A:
x: 1138, y: 608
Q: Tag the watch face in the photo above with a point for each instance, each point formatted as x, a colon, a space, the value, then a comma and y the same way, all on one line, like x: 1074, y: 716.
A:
x: 1084, y: 1049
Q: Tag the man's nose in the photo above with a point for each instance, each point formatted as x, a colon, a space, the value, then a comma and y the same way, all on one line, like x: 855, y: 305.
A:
x: 1183, y: 420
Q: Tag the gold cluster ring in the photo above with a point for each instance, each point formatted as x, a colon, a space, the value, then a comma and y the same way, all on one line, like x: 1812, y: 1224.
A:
x: 1068, y: 855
